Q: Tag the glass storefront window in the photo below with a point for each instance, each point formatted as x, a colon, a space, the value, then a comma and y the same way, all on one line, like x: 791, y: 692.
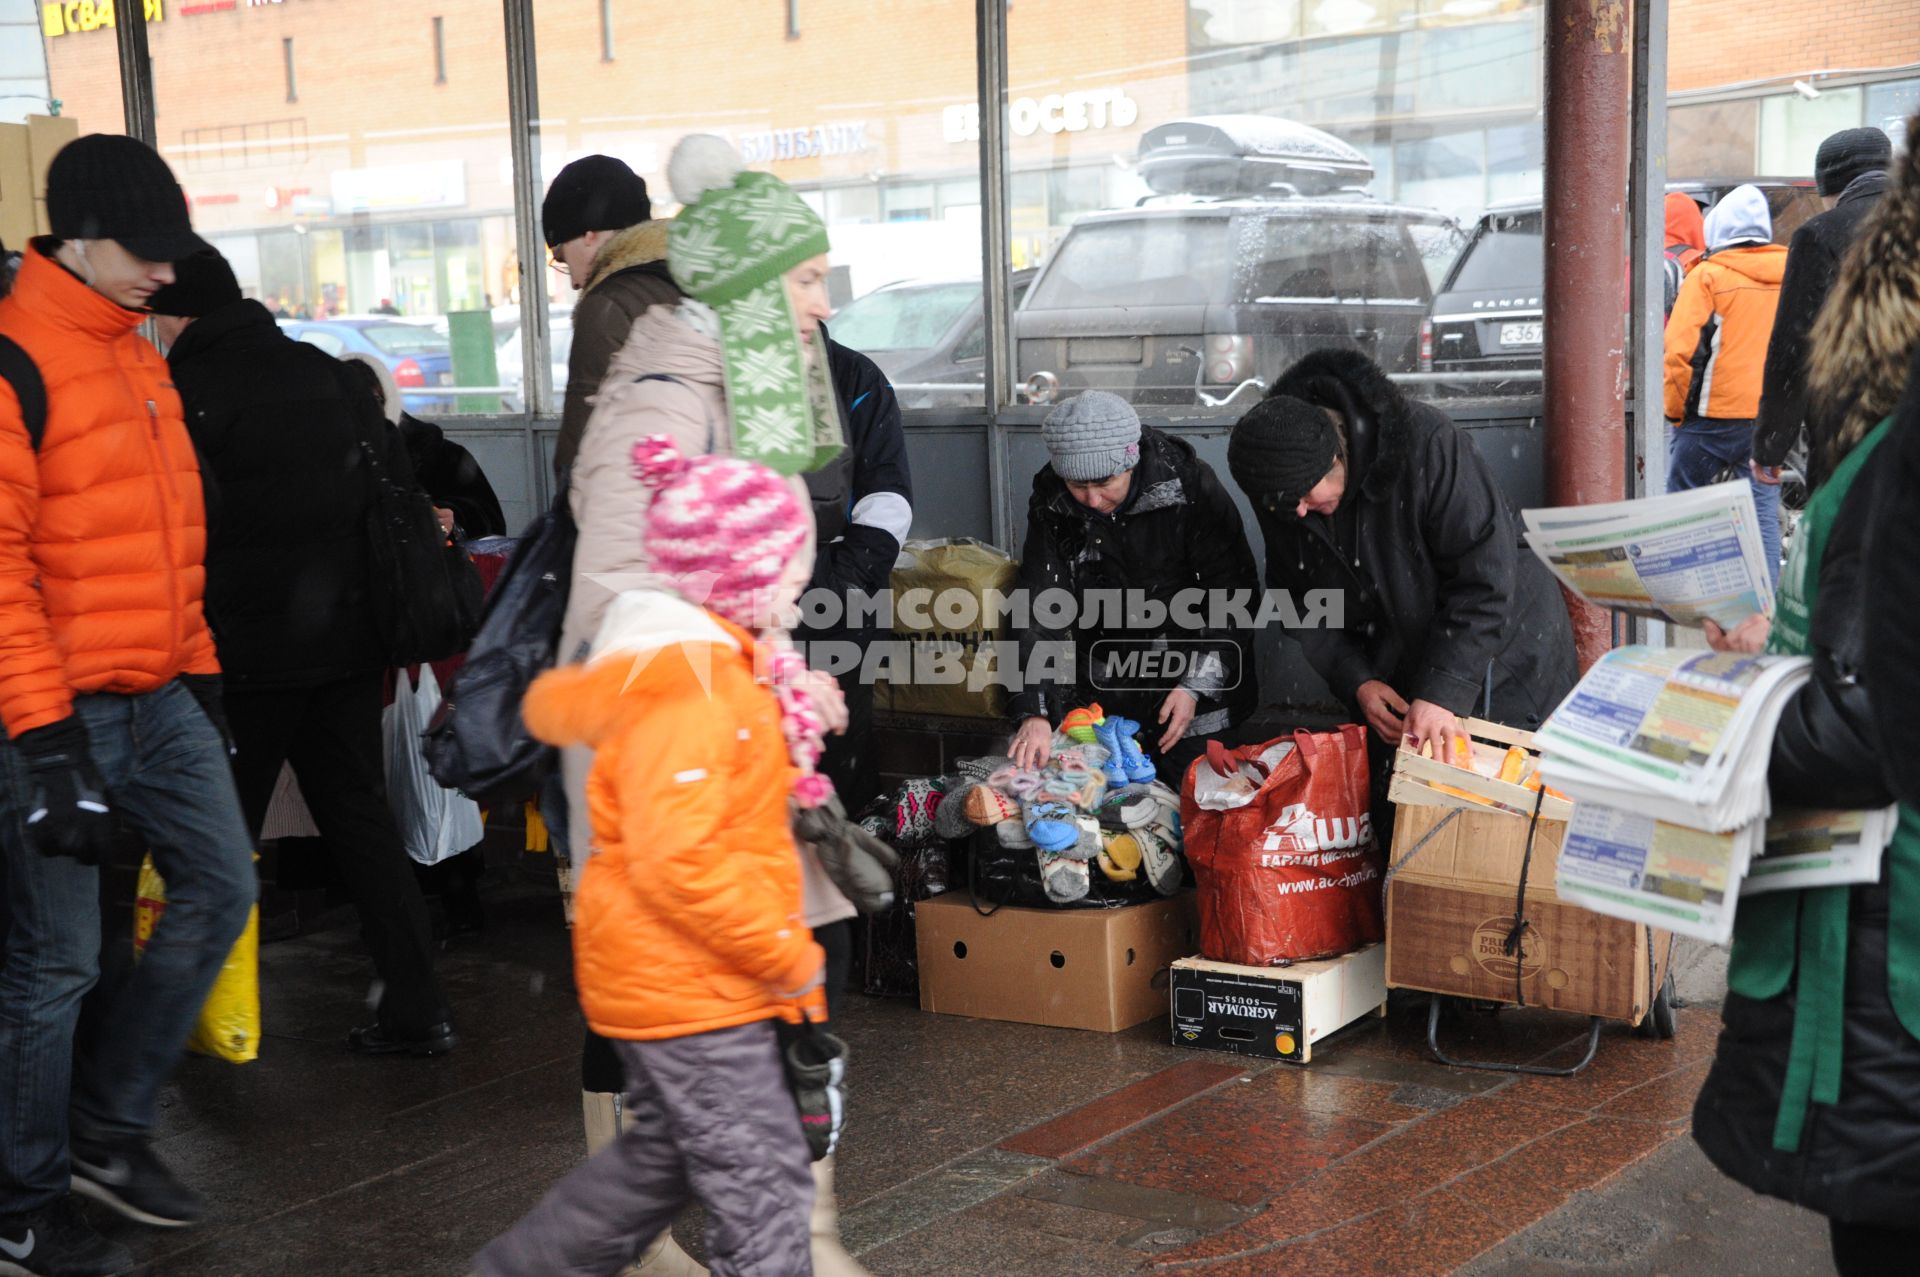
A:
x: 1890, y: 106
x: 1304, y: 177
x: 1713, y: 139
x: 885, y: 146
x: 1792, y: 128
x: 355, y: 195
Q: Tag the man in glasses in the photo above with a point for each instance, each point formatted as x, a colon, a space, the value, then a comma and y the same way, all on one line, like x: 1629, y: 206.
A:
x: 597, y: 219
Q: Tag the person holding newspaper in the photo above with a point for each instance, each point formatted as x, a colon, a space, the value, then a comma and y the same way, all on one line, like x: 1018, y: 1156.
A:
x: 1359, y: 489
x: 1814, y: 1092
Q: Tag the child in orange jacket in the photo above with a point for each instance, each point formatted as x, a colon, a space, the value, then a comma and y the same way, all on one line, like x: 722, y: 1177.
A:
x: 688, y: 937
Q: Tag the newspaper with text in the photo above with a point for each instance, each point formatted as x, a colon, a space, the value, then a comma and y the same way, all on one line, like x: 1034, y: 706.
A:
x: 1685, y: 557
x: 1664, y: 752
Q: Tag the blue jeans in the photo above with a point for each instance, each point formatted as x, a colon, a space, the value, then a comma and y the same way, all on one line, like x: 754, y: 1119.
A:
x: 168, y: 778
x: 1701, y: 449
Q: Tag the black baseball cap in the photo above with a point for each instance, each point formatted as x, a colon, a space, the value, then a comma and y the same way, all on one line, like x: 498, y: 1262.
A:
x: 105, y: 186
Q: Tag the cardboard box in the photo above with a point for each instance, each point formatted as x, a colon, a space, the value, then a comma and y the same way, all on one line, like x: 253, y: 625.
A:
x: 26, y: 150
x: 17, y: 191
x: 1450, y: 905
x: 1276, y: 1013
x: 1099, y: 969
x: 46, y: 134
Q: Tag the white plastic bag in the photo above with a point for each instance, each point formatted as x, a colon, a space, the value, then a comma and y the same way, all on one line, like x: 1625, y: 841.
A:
x: 435, y: 822
x: 1214, y: 792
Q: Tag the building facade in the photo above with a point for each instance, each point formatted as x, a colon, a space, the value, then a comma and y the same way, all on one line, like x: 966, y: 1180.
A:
x: 349, y: 153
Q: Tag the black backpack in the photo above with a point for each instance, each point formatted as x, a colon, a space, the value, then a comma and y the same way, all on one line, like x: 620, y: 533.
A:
x: 477, y: 742
x: 426, y: 593
x: 18, y: 370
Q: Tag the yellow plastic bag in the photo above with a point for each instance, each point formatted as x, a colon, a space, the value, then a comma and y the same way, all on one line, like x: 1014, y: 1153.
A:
x: 229, y: 1027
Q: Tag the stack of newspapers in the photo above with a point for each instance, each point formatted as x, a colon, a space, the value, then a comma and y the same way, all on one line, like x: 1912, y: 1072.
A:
x: 1664, y: 751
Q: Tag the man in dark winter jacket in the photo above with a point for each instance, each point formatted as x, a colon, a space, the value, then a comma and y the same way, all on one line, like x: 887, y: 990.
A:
x: 1128, y: 509
x: 1850, y: 171
x: 1360, y: 489
x: 279, y: 426
x: 596, y: 219
x: 862, y: 509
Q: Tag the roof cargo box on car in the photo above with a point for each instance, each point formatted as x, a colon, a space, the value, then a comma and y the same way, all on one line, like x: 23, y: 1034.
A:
x: 1248, y: 155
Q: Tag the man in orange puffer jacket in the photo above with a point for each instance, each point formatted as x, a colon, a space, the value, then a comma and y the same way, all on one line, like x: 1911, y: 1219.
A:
x: 109, y: 693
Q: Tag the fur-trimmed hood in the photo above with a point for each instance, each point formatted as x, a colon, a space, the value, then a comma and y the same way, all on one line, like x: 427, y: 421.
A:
x: 1380, y: 424
x: 1870, y: 325
x: 652, y: 645
x: 642, y: 244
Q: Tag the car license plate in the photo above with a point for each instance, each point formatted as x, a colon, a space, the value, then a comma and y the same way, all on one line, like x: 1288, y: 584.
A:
x: 1520, y: 334
x: 446, y: 378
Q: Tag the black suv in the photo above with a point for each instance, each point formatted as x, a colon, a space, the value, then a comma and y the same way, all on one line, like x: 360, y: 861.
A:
x: 1262, y: 249
x: 1488, y: 316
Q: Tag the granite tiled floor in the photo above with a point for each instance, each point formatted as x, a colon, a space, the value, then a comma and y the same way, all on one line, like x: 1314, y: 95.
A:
x: 975, y: 1147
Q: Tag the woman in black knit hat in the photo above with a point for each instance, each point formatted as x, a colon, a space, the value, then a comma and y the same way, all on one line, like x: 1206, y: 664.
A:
x: 1359, y: 489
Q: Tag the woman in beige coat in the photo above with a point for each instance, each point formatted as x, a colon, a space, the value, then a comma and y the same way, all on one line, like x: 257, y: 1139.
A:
x: 733, y: 369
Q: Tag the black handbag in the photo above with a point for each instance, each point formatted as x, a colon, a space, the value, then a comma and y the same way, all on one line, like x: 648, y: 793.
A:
x: 425, y: 592
x: 476, y: 742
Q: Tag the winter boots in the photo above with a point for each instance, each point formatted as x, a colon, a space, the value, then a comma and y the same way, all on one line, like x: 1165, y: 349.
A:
x: 605, y: 1115
x: 830, y: 1258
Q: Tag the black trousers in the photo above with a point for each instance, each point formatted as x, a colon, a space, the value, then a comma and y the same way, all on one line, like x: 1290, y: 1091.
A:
x: 1870, y: 1250
x: 600, y: 1068
x: 331, y: 736
x: 849, y: 760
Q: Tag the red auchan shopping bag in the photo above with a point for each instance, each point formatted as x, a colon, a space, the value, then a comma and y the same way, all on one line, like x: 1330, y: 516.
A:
x: 1282, y: 847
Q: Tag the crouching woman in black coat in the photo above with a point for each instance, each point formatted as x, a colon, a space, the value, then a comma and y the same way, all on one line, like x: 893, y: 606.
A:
x: 1446, y: 613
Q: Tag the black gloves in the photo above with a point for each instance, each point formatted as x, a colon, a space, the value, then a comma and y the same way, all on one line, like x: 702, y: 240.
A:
x: 67, y: 812
x: 206, y: 690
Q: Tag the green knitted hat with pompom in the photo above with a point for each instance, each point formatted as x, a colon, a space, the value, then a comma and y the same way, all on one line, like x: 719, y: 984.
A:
x: 739, y: 233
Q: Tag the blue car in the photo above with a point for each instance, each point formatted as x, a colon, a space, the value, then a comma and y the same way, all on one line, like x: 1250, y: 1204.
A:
x: 418, y: 357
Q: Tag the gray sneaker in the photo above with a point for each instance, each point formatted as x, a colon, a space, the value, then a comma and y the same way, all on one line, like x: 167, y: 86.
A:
x: 57, y: 1241
x: 126, y: 1175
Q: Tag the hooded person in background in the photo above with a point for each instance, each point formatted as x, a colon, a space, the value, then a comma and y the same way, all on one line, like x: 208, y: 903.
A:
x: 1360, y: 490
x: 1686, y: 242
x: 1716, y: 346
x: 461, y: 494
x: 465, y: 504
x: 279, y: 425
x: 1850, y: 171
x: 598, y: 222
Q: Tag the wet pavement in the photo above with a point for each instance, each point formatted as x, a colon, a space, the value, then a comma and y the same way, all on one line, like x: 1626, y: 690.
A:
x: 977, y: 1147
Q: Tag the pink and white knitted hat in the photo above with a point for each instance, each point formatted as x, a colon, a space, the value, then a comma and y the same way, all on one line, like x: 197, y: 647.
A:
x: 724, y: 529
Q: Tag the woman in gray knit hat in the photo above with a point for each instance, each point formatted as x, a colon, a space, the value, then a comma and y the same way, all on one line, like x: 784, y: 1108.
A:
x: 1125, y: 508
